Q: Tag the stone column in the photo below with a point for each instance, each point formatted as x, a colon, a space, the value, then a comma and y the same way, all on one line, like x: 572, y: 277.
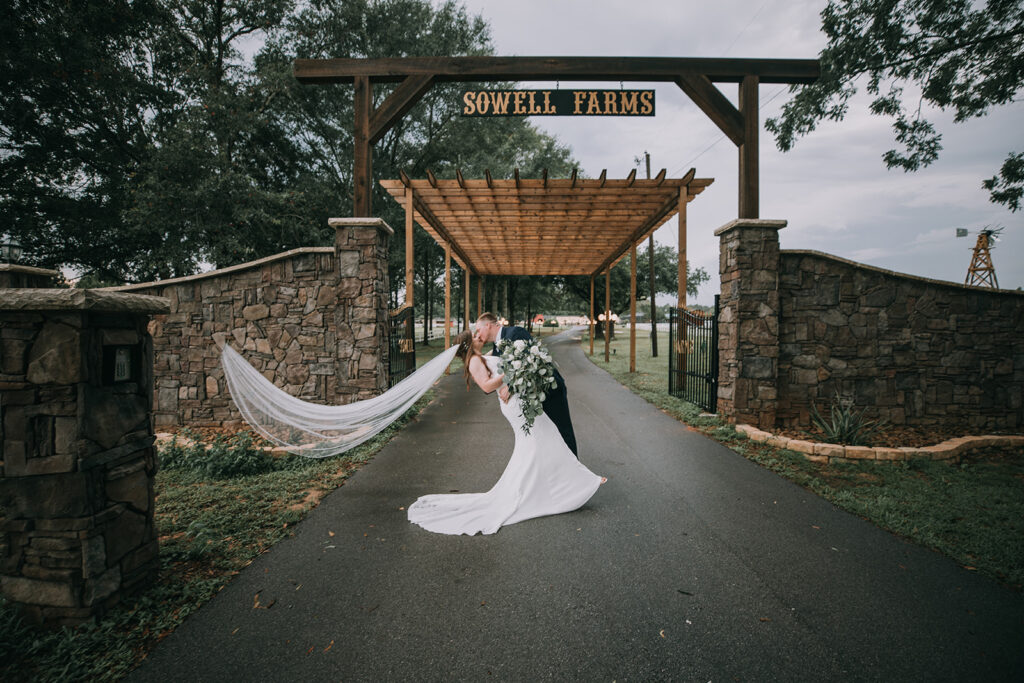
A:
x: 748, y: 324
x: 361, y: 314
x: 76, y: 445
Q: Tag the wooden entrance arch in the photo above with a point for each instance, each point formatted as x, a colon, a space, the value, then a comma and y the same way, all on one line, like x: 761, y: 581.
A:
x: 695, y: 76
x: 544, y: 226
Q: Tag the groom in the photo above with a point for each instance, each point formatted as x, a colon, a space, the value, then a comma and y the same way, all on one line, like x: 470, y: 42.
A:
x: 556, y: 404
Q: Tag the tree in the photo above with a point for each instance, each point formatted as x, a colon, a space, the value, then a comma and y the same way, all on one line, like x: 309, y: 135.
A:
x: 76, y: 98
x: 957, y: 56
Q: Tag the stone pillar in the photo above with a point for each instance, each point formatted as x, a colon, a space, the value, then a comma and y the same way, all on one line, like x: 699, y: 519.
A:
x: 748, y: 324
x: 76, y: 445
x: 14, y: 275
x: 361, y: 314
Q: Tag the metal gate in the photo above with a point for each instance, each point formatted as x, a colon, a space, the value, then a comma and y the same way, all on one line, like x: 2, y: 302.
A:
x: 693, y: 356
x: 402, y: 345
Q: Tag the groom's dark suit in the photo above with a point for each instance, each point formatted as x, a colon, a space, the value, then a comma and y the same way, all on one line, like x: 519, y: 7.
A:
x: 556, y: 404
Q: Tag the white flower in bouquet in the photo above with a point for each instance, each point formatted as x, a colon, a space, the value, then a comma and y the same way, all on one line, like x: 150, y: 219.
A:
x: 529, y: 374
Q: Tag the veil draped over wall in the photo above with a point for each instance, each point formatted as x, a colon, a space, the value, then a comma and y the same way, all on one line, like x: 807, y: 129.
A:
x: 317, y: 431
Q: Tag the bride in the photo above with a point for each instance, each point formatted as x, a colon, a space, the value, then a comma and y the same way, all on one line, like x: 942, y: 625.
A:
x: 542, y: 477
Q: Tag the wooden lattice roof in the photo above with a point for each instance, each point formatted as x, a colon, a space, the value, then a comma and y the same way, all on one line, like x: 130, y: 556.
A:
x: 545, y: 226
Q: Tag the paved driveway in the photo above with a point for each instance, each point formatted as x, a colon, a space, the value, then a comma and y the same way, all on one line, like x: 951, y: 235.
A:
x: 691, y: 564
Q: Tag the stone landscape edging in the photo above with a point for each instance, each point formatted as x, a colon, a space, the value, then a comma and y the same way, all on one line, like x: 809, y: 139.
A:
x: 950, y: 449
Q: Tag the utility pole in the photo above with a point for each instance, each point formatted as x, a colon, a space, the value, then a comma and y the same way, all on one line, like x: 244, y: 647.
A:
x: 650, y: 258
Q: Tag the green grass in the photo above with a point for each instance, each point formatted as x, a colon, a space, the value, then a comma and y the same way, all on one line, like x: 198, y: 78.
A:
x: 972, y: 511
x: 212, y: 522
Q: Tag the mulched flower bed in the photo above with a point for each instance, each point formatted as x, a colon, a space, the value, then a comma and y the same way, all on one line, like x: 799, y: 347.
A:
x: 894, y: 436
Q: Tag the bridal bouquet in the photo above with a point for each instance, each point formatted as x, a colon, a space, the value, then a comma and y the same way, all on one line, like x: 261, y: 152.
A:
x: 529, y: 373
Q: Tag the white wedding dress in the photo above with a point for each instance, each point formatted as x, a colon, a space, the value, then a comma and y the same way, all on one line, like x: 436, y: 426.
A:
x: 542, y: 477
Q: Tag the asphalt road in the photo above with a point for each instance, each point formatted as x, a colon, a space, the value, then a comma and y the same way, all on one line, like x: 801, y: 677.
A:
x: 690, y: 564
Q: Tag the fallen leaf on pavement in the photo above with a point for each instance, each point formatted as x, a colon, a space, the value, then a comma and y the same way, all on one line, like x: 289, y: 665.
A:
x: 329, y: 646
x: 661, y: 633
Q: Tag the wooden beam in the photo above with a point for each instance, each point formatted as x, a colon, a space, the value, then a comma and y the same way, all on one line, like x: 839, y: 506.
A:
x: 660, y: 178
x: 631, y: 178
x: 603, y: 177
x: 466, y: 69
x: 400, y: 101
x: 573, y: 179
x: 405, y: 179
x: 714, y: 104
x: 490, y: 181
x: 632, y: 310
x: 409, y: 264
x: 544, y: 177
x: 458, y: 177
x: 591, y: 315
x: 447, y: 294
x: 656, y: 219
x: 428, y: 217
x: 515, y: 172
x: 431, y: 179
x: 748, y: 199
x: 362, y: 168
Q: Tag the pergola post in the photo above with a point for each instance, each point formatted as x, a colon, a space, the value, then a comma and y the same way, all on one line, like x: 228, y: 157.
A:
x: 632, y: 308
x: 466, y: 309
x: 607, y: 313
x: 748, y: 180
x: 681, y: 285
x: 447, y: 294
x: 480, y: 295
x: 409, y: 271
x: 680, y: 349
x: 591, y: 315
x: 362, y: 167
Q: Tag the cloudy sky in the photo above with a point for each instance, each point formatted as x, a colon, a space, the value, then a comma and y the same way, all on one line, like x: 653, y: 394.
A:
x: 833, y: 187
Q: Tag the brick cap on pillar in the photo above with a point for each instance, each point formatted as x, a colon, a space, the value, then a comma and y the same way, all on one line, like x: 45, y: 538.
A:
x: 80, y: 300
x: 360, y: 223
x: 751, y: 223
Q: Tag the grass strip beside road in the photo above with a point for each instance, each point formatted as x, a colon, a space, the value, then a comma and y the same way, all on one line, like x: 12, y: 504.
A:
x: 972, y: 511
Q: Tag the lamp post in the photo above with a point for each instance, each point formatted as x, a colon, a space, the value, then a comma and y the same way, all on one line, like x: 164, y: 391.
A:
x: 10, y: 250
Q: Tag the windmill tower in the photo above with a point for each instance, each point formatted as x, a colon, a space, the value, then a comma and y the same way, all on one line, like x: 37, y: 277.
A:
x: 981, y: 272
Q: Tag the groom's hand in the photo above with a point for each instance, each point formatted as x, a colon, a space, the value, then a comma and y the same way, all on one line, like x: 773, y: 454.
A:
x: 503, y: 393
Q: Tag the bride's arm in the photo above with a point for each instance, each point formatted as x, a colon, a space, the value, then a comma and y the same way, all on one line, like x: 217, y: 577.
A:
x: 478, y: 371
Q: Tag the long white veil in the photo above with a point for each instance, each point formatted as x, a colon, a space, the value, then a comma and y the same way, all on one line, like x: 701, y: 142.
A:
x: 314, y: 430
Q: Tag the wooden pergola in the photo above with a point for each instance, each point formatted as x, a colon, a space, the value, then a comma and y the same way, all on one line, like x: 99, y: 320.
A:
x: 544, y: 226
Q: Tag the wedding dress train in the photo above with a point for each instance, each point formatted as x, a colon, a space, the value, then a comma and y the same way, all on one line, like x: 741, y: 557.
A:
x: 542, y: 477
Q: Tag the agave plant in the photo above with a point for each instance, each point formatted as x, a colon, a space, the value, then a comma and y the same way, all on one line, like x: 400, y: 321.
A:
x: 845, y: 424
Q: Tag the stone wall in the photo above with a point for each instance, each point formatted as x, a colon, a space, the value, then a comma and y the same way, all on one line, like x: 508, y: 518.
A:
x: 312, y: 320
x: 76, y: 445
x: 907, y: 349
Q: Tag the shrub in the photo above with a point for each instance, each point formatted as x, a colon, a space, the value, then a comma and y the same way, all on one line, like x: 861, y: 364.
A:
x: 846, y: 425
x: 224, y: 458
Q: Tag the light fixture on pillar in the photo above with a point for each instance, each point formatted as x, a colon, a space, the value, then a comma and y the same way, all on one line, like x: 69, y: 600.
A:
x: 10, y: 250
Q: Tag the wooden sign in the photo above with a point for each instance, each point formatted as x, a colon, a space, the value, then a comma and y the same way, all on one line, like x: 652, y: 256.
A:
x: 558, y: 103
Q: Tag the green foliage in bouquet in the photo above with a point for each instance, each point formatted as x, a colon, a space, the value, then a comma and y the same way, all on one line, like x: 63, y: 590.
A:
x: 529, y: 374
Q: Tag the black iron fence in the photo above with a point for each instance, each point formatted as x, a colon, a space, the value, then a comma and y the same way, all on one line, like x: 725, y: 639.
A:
x: 402, y: 343
x: 693, y: 356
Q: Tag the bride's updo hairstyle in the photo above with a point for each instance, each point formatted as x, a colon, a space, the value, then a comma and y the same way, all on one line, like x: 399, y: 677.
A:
x: 466, y: 352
